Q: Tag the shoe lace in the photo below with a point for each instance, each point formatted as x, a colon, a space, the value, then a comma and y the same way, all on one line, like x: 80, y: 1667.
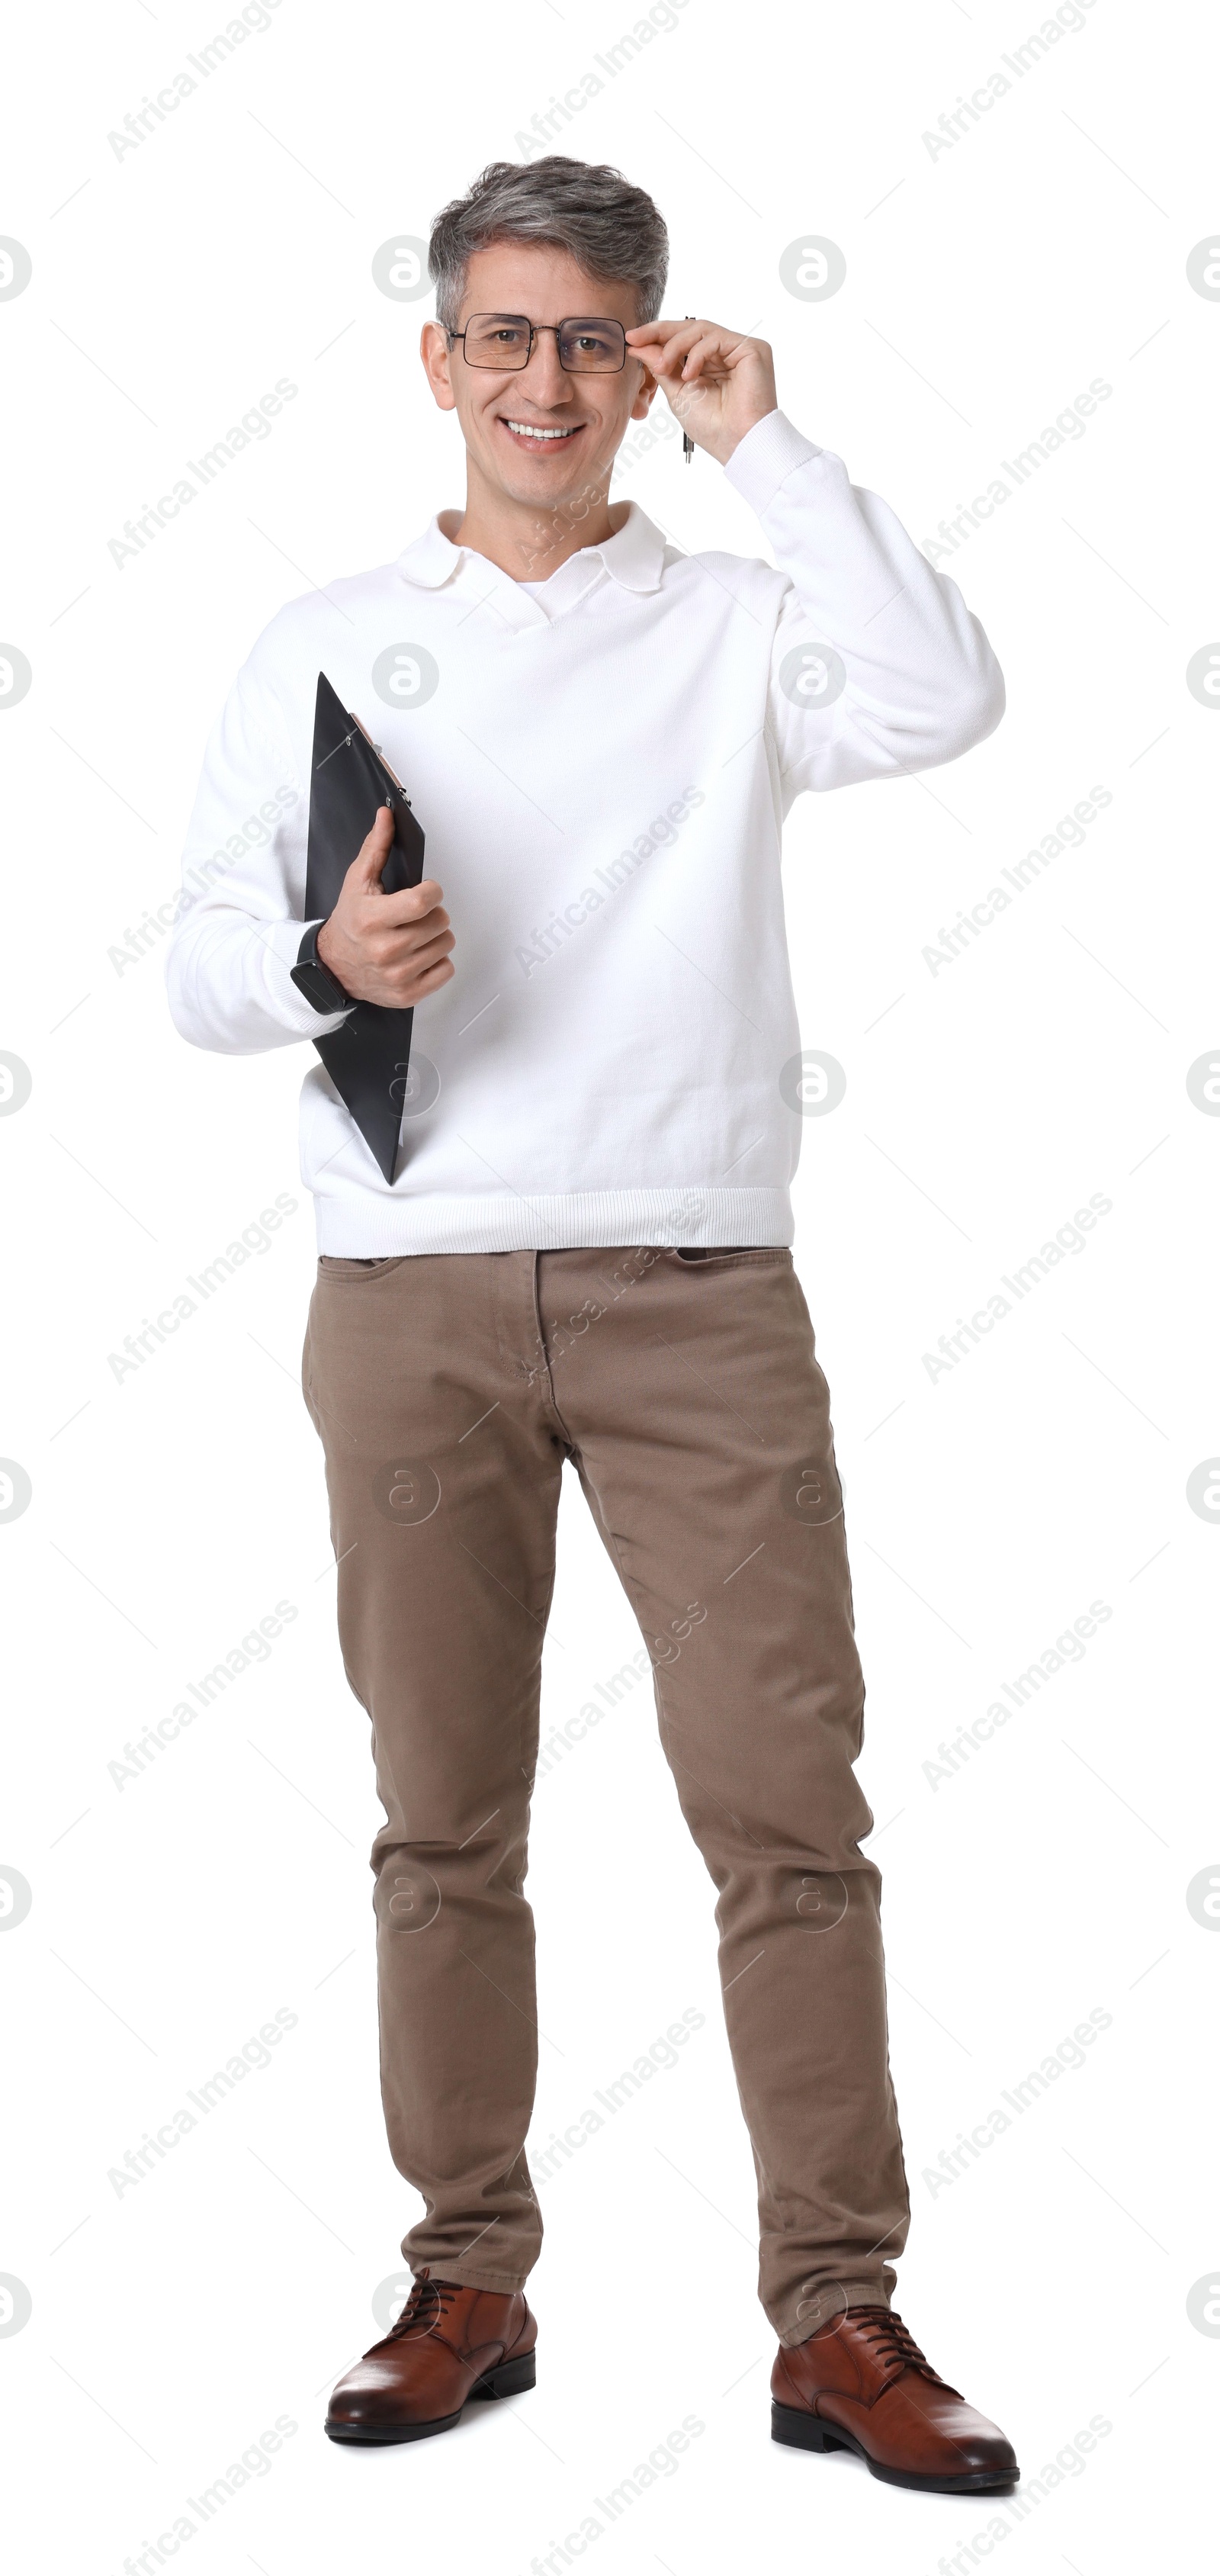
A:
x: 426, y: 2308
x: 892, y: 2343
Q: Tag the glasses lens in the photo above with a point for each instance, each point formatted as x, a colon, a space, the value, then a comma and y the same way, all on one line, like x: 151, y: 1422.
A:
x: 497, y: 340
x: 592, y: 347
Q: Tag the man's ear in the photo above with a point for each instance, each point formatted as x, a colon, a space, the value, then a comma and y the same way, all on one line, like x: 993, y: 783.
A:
x: 643, y: 401
x: 434, y: 357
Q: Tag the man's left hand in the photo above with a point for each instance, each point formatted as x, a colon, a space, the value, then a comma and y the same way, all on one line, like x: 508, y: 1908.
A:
x: 717, y: 383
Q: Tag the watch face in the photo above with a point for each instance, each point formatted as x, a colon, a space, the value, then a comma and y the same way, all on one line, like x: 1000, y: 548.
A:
x: 319, y: 986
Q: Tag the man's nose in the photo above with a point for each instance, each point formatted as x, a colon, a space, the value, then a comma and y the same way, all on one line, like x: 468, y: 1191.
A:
x: 548, y: 381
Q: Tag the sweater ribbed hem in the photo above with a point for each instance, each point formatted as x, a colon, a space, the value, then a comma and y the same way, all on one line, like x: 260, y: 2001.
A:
x: 464, y: 1223
x: 766, y: 456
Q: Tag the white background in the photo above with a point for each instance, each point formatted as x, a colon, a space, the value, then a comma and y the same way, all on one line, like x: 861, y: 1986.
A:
x: 985, y: 289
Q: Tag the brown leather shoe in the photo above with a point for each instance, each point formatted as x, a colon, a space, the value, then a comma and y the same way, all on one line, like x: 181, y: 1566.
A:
x: 861, y: 2384
x: 449, y: 2344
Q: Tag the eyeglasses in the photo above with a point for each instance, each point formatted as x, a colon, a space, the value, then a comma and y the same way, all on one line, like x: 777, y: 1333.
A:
x: 586, y: 345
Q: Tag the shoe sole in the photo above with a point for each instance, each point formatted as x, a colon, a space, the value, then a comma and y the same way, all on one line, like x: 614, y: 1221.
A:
x: 810, y: 2433
x: 507, y: 2381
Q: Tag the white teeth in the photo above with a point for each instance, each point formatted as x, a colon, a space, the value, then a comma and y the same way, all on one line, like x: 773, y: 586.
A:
x: 523, y: 429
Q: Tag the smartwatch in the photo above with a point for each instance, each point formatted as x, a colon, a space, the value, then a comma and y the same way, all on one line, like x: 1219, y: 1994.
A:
x: 313, y: 977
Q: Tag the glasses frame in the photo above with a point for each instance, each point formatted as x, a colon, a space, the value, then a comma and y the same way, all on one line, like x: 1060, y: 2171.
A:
x: 483, y: 366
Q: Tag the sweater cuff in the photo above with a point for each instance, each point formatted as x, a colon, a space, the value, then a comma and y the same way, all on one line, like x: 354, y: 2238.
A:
x: 765, y: 457
x: 280, y: 942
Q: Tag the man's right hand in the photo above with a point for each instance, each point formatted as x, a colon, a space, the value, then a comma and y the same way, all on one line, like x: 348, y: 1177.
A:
x: 387, y: 948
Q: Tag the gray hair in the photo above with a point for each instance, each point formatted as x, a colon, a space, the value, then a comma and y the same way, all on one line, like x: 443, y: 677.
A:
x: 613, y: 230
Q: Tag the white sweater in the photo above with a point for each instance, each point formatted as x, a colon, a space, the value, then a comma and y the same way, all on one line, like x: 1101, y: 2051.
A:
x: 601, y: 769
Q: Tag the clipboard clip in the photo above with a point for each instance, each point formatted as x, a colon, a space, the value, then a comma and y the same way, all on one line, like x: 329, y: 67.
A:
x: 346, y: 744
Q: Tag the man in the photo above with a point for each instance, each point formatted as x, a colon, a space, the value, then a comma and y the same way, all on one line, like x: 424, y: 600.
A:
x: 584, y: 1252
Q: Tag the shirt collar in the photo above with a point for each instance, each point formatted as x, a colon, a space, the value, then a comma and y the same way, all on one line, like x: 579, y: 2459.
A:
x: 634, y: 556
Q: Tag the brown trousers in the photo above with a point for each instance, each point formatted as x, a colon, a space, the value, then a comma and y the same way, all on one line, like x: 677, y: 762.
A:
x: 448, y: 1390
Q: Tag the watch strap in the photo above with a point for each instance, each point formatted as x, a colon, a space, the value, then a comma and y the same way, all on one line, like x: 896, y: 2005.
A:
x: 312, y: 976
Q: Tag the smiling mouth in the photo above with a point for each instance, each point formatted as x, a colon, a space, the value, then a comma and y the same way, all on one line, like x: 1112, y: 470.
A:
x: 536, y: 440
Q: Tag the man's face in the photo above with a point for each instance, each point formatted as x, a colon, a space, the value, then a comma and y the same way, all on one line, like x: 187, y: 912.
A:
x: 499, y: 408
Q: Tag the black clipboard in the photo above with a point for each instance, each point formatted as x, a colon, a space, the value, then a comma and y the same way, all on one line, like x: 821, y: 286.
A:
x: 368, y: 1058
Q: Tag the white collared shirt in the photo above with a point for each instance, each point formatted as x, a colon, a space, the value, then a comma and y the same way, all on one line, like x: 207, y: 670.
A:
x: 601, y: 762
